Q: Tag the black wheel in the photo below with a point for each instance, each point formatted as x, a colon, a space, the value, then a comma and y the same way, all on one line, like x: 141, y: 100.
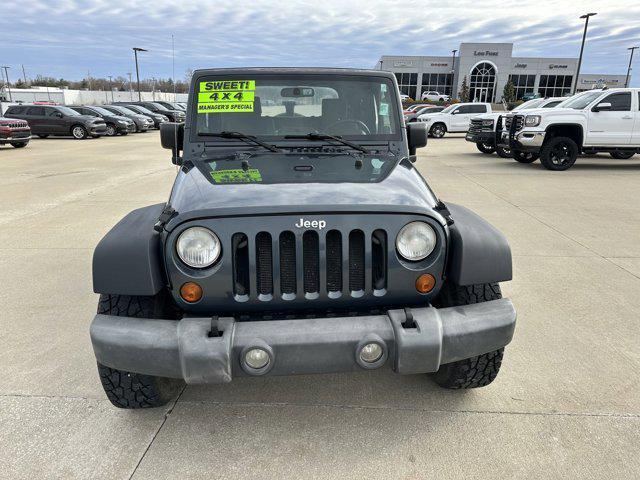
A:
x: 438, y: 130
x: 477, y: 371
x: 524, y: 157
x: 559, y: 153
x: 19, y: 144
x: 79, y: 132
x: 111, y: 130
x: 487, y: 148
x: 134, y: 390
x: 124, y: 134
x: 504, y: 152
x: 43, y: 136
x: 622, y: 155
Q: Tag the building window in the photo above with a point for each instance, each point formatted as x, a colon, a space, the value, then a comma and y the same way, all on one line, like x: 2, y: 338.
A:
x: 523, y: 84
x: 555, y: 85
x: 439, y: 82
x: 483, y: 83
x: 408, y: 83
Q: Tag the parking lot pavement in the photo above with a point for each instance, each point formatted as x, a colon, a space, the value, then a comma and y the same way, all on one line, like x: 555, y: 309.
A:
x: 565, y: 405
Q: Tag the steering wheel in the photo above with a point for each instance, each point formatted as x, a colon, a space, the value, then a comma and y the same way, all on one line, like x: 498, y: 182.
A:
x: 359, y: 124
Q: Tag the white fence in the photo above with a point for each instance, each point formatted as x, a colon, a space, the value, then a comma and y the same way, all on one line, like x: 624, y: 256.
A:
x: 83, y: 97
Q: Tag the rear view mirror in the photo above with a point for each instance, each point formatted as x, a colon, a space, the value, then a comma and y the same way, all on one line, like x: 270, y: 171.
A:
x: 602, y: 106
x: 172, y: 138
x: 416, y: 136
x: 297, y: 92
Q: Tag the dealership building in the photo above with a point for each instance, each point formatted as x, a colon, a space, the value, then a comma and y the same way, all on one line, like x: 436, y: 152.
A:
x: 488, y: 67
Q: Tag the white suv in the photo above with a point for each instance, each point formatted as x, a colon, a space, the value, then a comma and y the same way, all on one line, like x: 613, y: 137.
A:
x: 434, y: 96
x: 455, y: 118
x: 595, y: 121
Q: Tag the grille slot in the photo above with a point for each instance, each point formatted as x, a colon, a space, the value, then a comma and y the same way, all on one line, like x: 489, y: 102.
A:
x: 240, y: 249
x: 334, y: 261
x: 356, y: 261
x: 311, y: 261
x: 379, y: 259
x: 288, y: 263
x: 264, y: 264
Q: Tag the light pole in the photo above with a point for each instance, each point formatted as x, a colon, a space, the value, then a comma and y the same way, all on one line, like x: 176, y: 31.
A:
x: 111, y: 88
x: 453, y: 73
x: 135, y: 53
x: 584, y: 36
x: 130, y: 87
x: 626, y: 82
x: 380, y: 62
x: 6, y: 74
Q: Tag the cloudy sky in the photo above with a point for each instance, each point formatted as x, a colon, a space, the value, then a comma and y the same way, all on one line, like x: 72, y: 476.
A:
x: 68, y: 38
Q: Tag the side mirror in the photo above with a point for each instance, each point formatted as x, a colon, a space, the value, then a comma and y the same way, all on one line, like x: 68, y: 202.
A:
x: 58, y: 115
x: 455, y: 112
x: 602, y: 106
x: 172, y: 138
x: 416, y: 136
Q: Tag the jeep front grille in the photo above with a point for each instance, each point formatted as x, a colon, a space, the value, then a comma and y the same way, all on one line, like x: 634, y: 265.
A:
x: 309, y: 265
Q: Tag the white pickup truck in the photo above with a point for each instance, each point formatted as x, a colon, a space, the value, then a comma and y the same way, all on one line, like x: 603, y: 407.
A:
x: 596, y: 121
x: 453, y: 119
x: 484, y: 128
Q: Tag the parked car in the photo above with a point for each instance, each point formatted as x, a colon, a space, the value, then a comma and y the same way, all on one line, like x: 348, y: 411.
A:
x: 173, y: 115
x: 484, y: 129
x: 172, y: 105
x: 15, y: 132
x: 414, y: 107
x: 58, y: 121
x: 435, y: 96
x: 158, y: 119
x: 404, y: 97
x: 530, y: 96
x: 285, y: 249
x: 413, y: 116
x: 142, y: 122
x: 603, y: 120
x: 116, y: 124
x: 454, y: 118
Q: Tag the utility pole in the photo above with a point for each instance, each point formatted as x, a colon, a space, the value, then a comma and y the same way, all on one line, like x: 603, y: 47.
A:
x: 6, y: 74
x: 24, y: 75
x: 453, y: 73
x: 135, y: 53
x: 584, y: 36
x: 626, y: 82
x: 111, y: 88
x: 89, y: 79
x: 130, y: 87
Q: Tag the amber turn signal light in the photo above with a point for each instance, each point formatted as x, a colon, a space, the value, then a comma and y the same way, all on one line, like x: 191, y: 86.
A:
x: 425, y: 283
x: 191, y: 292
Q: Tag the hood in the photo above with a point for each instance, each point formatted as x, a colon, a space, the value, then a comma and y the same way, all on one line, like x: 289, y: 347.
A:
x: 490, y: 116
x: 547, y: 111
x: 89, y: 118
x: 402, y: 190
x: 7, y: 121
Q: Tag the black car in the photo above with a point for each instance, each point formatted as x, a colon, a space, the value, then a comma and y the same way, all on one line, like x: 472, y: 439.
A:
x: 297, y: 239
x: 172, y: 105
x: 142, y: 122
x: 116, y: 124
x: 46, y: 120
x: 158, y: 119
x: 173, y: 115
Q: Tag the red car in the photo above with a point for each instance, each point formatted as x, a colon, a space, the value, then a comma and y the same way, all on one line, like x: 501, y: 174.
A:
x: 14, y: 131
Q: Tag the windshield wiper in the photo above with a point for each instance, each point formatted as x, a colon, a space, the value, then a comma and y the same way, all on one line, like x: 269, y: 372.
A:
x: 242, y: 136
x: 326, y: 136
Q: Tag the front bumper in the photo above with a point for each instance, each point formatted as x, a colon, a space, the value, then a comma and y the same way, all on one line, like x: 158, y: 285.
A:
x: 487, y: 137
x: 526, y: 141
x: 184, y: 349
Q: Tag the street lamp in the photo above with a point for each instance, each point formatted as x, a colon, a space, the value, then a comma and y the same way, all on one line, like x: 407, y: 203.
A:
x: 135, y: 53
x: 453, y: 72
x: 6, y: 74
x: 626, y: 82
x: 584, y: 36
x: 380, y: 62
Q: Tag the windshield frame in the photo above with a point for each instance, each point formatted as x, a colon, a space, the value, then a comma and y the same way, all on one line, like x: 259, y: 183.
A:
x: 591, y: 94
x: 67, y: 111
x: 396, y: 115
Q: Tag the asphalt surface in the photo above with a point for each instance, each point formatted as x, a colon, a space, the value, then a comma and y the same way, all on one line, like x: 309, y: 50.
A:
x: 565, y: 405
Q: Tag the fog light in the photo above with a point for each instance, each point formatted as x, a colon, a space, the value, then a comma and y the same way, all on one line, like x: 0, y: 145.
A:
x: 256, y: 358
x: 371, y: 353
x: 191, y: 292
x: 425, y: 283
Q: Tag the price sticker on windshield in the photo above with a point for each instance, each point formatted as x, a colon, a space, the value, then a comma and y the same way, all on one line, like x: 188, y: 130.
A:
x: 226, y: 96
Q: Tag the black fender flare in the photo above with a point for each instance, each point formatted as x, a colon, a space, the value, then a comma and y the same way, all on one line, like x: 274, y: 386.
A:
x: 128, y: 259
x: 479, y: 253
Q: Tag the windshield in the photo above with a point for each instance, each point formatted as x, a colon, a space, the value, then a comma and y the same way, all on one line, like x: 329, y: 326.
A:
x: 144, y: 110
x: 102, y: 111
x: 357, y: 107
x: 580, y: 101
x: 70, y: 112
x: 448, y: 109
x: 160, y: 107
x: 530, y: 104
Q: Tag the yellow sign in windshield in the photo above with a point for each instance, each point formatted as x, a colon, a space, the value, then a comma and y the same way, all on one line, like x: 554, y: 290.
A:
x: 224, y: 96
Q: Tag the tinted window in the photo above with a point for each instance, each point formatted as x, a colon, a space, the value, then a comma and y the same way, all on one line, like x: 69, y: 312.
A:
x: 16, y: 110
x: 477, y: 108
x: 552, y: 104
x: 620, y: 102
x: 35, y: 111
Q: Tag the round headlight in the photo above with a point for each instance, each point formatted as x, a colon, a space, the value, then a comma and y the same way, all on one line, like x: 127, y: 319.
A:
x: 416, y: 241
x: 198, y: 247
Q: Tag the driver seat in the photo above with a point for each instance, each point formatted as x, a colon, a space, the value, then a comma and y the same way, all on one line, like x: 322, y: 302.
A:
x: 333, y: 110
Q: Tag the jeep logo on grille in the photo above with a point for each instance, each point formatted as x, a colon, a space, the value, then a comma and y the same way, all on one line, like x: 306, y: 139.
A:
x: 319, y: 224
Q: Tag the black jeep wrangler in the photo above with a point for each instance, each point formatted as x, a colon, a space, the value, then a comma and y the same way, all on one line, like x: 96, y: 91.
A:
x: 299, y: 238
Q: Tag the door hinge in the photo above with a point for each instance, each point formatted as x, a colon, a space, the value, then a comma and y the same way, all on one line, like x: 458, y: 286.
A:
x: 167, y: 214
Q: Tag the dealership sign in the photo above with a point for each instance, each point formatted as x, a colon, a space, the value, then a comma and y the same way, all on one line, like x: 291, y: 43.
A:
x: 555, y: 65
x: 403, y: 64
x: 520, y: 65
x: 485, y: 53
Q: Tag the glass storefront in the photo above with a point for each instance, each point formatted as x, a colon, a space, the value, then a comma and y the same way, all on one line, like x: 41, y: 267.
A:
x: 523, y: 84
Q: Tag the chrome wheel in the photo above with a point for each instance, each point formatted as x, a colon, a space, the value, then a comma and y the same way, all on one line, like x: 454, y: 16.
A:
x: 111, y: 131
x: 79, y: 132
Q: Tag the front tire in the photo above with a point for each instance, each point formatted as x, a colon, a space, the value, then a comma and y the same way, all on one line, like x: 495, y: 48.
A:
x: 111, y: 130
x: 478, y: 371
x: 79, y: 132
x: 438, y: 130
x: 43, y: 136
x: 622, y: 155
x: 524, y: 157
x: 486, y: 148
x: 559, y: 153
x: 134, y: 390
x: 504, y: 152
x: 19, y: 144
